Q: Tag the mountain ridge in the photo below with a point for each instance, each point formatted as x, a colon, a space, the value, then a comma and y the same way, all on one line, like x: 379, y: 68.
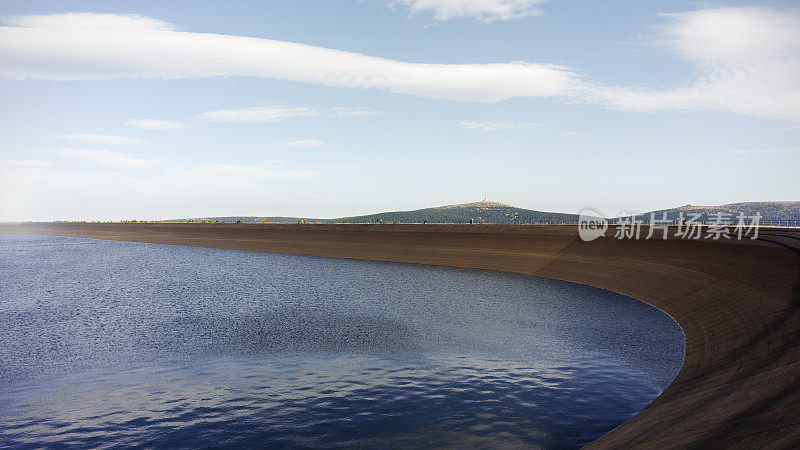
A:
x: 771, y: 212
x: 487, y: 211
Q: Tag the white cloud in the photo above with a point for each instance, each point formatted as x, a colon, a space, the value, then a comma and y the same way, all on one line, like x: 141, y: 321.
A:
x: 484, y: 10
x: 55, y: 47
x: 496, y: 126
x: 272, y: 113
x: 275, y: 113
x: 154, y: 124
x: 105, y: 157
x: 748, y: 62
x: 104, y: 139
x: 4, y: 163
x: 759, y: 151
x: 305, y: 143
x: 355, y: 111
x: 339, y: 167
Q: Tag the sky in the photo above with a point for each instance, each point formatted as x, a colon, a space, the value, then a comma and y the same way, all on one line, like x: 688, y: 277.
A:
x: 155, y: 110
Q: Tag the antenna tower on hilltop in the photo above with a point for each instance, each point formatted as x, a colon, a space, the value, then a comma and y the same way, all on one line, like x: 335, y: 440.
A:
x: 484, y: 194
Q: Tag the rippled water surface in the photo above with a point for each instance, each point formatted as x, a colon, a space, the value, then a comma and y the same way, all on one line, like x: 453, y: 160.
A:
x: 113, y: 343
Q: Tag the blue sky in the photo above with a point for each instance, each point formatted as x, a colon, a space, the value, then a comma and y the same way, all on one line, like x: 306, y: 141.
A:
x: 116, y: 110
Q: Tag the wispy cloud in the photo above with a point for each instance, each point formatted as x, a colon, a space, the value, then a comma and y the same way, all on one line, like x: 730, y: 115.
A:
x: 746, y: 61
x: 89, y: 46
x: 104, y: 139
x: 354, y: 111
x: 759, y: 151
x: 496, y: 126
x: 483, y: 10
x: 339, y: 167
x: 305, y: 143
x: 154, y: 124
x: 272, y: 113
x: 104, y: 157
x: 27, y: 163
x: 276, y: 113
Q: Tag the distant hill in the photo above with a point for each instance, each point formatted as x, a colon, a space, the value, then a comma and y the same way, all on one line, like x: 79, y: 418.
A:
x: 479, y: 212
x: 772, y: 213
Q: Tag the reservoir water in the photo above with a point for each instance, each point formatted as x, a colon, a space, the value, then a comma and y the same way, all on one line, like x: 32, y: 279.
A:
x: 109, y: 343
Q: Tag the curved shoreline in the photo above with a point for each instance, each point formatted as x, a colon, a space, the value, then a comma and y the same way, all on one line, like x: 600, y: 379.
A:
x: 736, y: 301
